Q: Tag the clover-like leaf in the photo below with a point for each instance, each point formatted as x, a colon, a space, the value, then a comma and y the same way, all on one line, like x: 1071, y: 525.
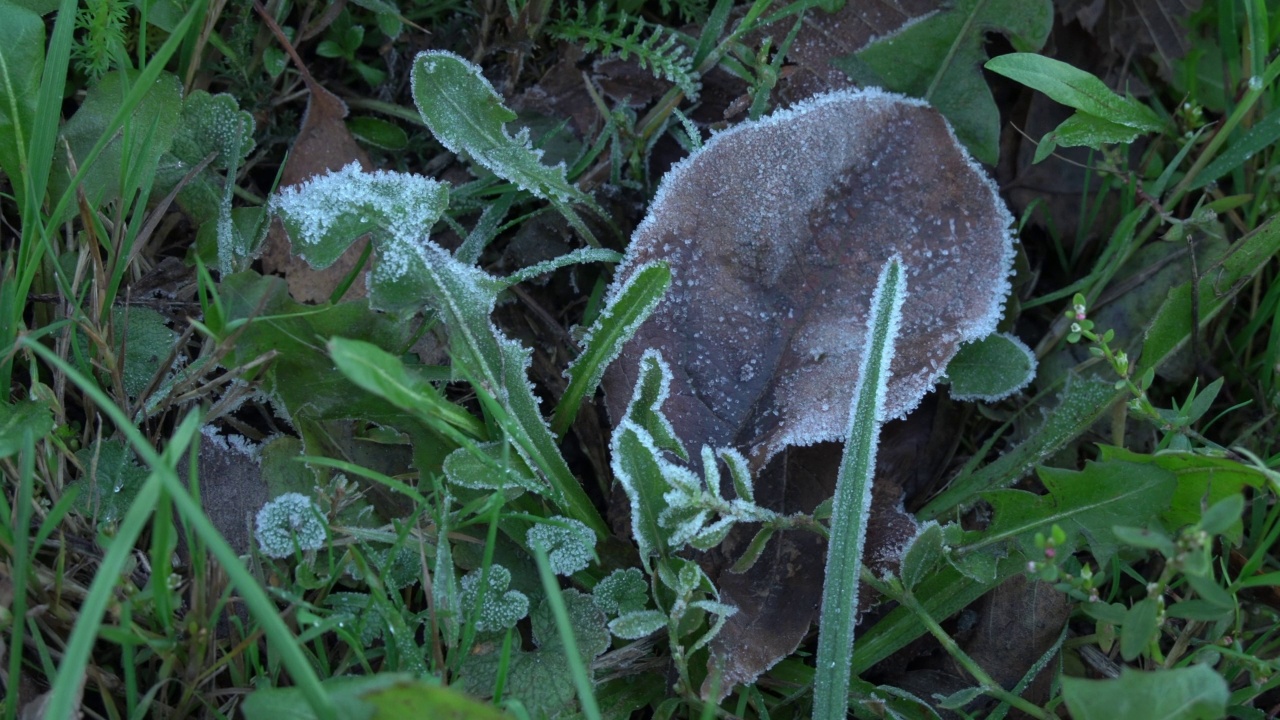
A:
x: 290, y: 521
x: 111, y: 481
x: 570, y: 545
x: 541, y: 678
x: 500, y: 608
x: 621, y: 591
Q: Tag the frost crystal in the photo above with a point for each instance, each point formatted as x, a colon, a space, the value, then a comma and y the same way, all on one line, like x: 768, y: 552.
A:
x: 500, y: 608
x: 569, y: 544
x: 290, y: 521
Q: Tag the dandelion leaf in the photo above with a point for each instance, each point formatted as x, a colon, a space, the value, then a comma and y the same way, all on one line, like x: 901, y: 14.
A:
x: 1087, y: 504
x: 18, y: 419
x: 466, y: 115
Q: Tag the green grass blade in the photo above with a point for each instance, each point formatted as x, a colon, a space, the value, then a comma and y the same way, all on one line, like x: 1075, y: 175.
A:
x: 853, y: 499
x: 577, y: 668
x: 164, y: 478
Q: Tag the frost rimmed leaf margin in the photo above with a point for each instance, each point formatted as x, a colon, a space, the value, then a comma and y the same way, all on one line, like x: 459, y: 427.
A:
x: 325, y: 215
x: 853, y: 496
x: 465, y: 113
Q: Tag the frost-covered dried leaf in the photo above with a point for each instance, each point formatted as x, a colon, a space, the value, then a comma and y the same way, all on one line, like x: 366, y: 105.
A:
x: 775, y: 232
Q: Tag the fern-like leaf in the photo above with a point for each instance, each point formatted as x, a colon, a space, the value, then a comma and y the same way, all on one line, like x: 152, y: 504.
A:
x: 657, y: 49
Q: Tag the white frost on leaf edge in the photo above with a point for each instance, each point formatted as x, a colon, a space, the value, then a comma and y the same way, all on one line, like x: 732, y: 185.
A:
x: 1031, y: 375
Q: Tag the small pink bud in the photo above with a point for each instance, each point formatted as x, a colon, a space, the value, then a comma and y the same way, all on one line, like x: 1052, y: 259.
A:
x: 1050, y: 553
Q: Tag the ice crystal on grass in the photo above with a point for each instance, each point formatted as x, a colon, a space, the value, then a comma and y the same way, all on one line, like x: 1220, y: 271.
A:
x: 288, y: 523
x: 500, y: 608
x: 570, y: 545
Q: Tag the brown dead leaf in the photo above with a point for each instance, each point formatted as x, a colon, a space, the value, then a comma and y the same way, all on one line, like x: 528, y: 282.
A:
x: 232, y: 488
x: 1136, y: 28
x: 775, y: 233
x: 323, y: 145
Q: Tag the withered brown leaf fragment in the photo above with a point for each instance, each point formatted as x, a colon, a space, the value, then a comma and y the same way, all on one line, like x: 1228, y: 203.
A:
x: 775, y: 233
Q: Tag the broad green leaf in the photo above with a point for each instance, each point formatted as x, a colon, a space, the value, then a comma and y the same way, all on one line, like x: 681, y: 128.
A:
x: 939, y: 58
x: 1092, y: 131
x: 1087, y: 504
x: 1140, y: 628
x: 301, y: 381
x: 1219, y: 283
x: 130, y: 159
x: 1201, y: 479
x: 991, y: 369
x: 466, y: 115
x: 1190, y: 693
x: 1075, y: 88
x: 614, y: 326
x: 378, y: 132
x: 143, y: 342
x: 498, y: 467
x: 21, y: 63
x: 849, y: 513
x: 17, y: 419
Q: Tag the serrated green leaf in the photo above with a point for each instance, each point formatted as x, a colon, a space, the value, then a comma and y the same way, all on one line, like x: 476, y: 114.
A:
x: 1201, y: 479
x: 1192, y: 693
x: 1088, y: 503
x: 938, y: 58
x: 18, y: 419
x: 991, y: 369
x: 1081, y: 402
x: 144, y: 341
x: 540, y: 678
x: 21, y: 64
x: 466, y: 115
x: 1074, y: 88
x: 490, y: 466
x: 638, y: 624
x: 613, y: 327
x: 500, y: 608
